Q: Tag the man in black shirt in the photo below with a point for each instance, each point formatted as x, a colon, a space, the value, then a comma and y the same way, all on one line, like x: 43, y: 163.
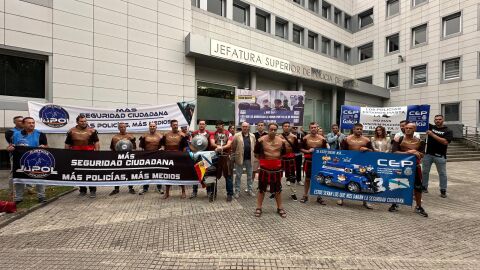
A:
x: 298, y: 154
x: 259, y: 133
x: 439, y: 136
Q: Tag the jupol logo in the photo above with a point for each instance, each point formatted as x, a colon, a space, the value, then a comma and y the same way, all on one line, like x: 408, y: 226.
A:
x: 54, y: 116
x: 37, y: 163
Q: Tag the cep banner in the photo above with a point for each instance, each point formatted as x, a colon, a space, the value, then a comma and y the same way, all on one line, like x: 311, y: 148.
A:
x: 275, y: 106
x: 388, y: 117
x: 65, y: 167
x: 363, y: 176
x: 53, y: 118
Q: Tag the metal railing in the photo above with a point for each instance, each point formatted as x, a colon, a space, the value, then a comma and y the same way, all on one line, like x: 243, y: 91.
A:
x: 471, y: 136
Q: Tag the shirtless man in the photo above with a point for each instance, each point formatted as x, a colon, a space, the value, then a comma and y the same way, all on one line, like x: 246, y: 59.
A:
x: 122, y: 136
x: 221, y: 140
x: 409, y: 144
x: 310, y: 142
x: 288, y: 160
x: 174, y: 140
x: 82, y: 137
x: 150, y: 142
x: 357, y: 142
x: 269, y: 151
x: 259, y: 133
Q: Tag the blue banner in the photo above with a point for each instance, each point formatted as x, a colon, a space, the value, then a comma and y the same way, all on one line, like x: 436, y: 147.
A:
x: 363, y: 176
x: 419, y: 114
x: 349, y: 116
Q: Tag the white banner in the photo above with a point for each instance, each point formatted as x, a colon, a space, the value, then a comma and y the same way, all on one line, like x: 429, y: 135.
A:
x: 52, y: 118
x: 388, y: 117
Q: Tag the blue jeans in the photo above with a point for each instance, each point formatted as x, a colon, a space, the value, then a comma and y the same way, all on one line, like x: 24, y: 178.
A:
x: 440, y: 163
x: 229, y: 185
x: 247, y: 164
x: 19, y: 188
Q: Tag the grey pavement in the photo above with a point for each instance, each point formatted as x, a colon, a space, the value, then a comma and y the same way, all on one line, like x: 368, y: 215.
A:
x: 146, y: 232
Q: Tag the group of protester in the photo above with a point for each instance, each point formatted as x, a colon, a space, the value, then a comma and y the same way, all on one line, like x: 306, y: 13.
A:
x: 266, y: 152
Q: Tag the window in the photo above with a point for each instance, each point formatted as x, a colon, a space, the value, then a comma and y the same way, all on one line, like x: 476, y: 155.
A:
x: 196, y: 3
x: 392, y: 79
x: 312, y: 40
x: 346, y: 54
x: 393, y: 7
x: 240, y: 13
x: 212, y: 97
x: 393, y: 43
x: 262, y: 22
x: 22, y: 75
x: 347, y: 22
x: 326, y: 10
x: 451, y: 69
x: 337, y: 16
x: 337, y: 50
x: 368, y: 79
x: 297, y: 1
x: 326, y: 45
x: 419, y: 35
x: 451, y: 112
x: 419, y: 75
x: 418, y: 2
x: 216, y: 6
x: 281, y: 28
x: 297, y: 35
x: 313, y: 5
x: 452, y: 24
x: 365, y: 18
x: 365, y: 52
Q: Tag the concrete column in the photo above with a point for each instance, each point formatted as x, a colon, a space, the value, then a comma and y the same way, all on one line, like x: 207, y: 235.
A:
x: 203, y: 4
x: 253, y: 80
x: 229, y: 9
x: 253, y: 17
x: 334, y: 106
x: 305, y: 4
x: 290, y: 31
x: 272, y: 24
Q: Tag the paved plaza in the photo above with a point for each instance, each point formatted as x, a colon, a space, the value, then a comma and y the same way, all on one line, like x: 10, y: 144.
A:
x: 145, y: 232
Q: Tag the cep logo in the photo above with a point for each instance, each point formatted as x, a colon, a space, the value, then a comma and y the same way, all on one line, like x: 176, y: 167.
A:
x: 37, y: 163
x: 394, y: 163
x: 418, y: 113
x: 53, y: 116
x: 350, y: 112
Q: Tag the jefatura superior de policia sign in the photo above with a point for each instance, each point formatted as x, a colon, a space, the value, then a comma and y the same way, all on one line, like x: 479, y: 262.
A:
x: 65, y: 167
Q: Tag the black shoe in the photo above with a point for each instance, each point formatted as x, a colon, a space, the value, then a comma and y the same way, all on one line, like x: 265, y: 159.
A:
x: 131, y: 191
x: 193, y: 195
x: 424, y: 190
x: 82, y: 194
x: 210, y: 197
x: 93, y: 194
x: 42, y: 200
x: 229, y: 198
x: 419, y: 210
x: 115, y: 191
x: 321, y: 201
x: 443, y: 193
x: 272, y: 196
x: 393, y: 208
x: 294, y: 197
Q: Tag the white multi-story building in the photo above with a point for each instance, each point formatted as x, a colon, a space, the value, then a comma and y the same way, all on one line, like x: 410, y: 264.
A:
x: 114, y: 53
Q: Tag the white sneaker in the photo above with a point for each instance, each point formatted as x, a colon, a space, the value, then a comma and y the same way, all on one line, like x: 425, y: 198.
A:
x: 236, y: 195
x: 301, y: 183
x: 288, y: 183
x: 251, y: 193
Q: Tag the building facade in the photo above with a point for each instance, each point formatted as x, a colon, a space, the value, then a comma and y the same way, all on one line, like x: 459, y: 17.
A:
x: 117, y: 53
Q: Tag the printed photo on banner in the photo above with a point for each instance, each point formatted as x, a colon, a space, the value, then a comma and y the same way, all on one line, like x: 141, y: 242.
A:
x: 363, y: 176
x: 388, y: 117
x: 55, y: 118
x: 276, y: 106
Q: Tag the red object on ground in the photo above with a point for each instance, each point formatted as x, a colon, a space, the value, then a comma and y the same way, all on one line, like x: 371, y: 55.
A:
x: 9, y: 207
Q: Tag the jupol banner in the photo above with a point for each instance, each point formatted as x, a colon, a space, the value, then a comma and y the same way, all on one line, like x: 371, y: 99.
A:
x: 275, y: 106
x: 389, y: 117
x: 52, y: 118
x: 50, y: 166
x: 363, y: 176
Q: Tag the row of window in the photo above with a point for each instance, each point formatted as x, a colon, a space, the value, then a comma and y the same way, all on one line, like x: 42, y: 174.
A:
x: 418, y: 74
x: 339, y: 17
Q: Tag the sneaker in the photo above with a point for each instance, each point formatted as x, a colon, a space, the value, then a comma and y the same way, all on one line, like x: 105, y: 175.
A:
x: 210, y: 197
x: 236, y: 195
x: 288, y: 183
x: 424, y: 190
x: 272, y: 196
x: 320, y: 201
x: 294, y: 197
x: 419, y: 210
x: 142, y: 192
x: 367, y: 205
x: 115, y: 191
x: 82, y: 194
x: 42, y: 200
x: 93, y: 194
x: 193, y: 195
x: 443, y: 193
x: 301, y: 183
x: 229, y: 198
x: 131, y: 191
x: 251, y: 193
x: 393, y: 208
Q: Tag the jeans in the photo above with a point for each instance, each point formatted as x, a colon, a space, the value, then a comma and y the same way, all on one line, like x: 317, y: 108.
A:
x: 440, y: 163
x: 247, y: 164
x: 145, y: 187
x: 229, y: 185
x: 84, y: 189
x: 19, y: 189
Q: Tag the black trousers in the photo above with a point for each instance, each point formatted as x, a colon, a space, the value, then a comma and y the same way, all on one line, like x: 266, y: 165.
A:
x: 118, y: 187
x: 145, y: 187
x: 84, y: 189
x: 298, y: 167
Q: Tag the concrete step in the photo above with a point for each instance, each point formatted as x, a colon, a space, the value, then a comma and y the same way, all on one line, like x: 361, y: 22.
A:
x: 463, y: 159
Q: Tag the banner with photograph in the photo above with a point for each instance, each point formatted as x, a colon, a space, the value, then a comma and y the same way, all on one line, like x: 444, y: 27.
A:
x: 275, y: 106
x: 65, y: 167
x: 53, y: 118
x: 388, y: 117
x: 363, y: 176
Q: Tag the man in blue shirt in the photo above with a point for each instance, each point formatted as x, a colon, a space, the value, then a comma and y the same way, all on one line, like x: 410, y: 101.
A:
x: 18, y: 121
x: 29, y: 137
